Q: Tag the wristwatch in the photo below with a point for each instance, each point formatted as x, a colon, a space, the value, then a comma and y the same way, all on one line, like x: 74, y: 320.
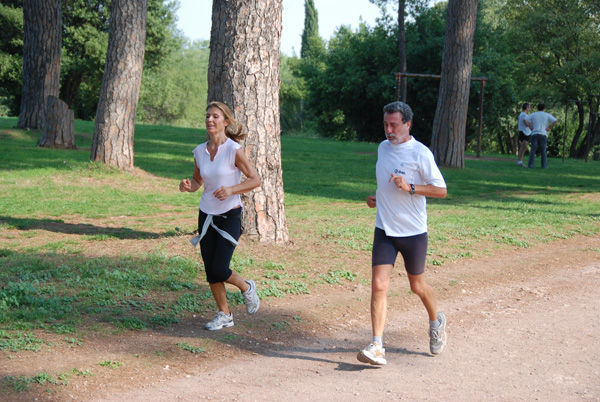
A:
x: 412, y: 189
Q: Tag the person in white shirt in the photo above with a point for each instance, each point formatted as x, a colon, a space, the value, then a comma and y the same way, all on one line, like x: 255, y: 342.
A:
x: 524, y: 133
x: 540, y: 124
x: 219, y: 163
x: 406, y: 174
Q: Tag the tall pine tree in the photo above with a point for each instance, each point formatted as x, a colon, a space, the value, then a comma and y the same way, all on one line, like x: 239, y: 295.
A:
x: 311, y: 26
x: 243, y: 73
x: 449, y: 124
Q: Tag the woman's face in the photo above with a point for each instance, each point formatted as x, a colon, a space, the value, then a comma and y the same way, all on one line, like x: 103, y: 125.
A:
x: 215, y: 121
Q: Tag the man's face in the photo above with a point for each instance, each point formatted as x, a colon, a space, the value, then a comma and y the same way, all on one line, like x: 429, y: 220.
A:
x: 396, y: 131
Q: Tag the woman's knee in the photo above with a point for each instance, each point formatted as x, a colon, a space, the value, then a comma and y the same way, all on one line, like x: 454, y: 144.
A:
x: 221, y: 275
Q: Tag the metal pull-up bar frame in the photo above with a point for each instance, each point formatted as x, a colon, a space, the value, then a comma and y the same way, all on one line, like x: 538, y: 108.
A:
x: 481, y: 79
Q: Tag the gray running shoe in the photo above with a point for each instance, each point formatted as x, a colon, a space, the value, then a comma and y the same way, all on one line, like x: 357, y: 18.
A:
x: 437, y: 336
x: 251, y: 298
x: 221, y: 320
x: 373, y: 354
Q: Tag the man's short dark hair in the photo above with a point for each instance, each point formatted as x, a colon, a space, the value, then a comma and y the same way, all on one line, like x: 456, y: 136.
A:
x: 525, y: 105
x: 541, y: 106
x: 399, y: 107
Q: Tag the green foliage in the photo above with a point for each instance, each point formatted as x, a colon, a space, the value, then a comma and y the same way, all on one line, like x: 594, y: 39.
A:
x: 22, y: 383
x: 11, y: 56
x: 84, y: 44
x: 335, y: 277
x: 17, y: 340
x: 110, y: 364
x: 563, y: 62
x: 350, y: 82
x: 175, y: 91
x: 292, y: 96
x: 190, y: 348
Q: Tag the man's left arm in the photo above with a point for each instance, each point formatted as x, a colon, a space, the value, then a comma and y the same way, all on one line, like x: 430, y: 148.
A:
x: 551, y: 126
x: 426, y: 190
x: 429, y: 190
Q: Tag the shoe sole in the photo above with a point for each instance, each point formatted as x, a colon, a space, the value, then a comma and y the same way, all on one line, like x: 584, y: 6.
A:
x: 364, y: 359
x: 229, y: 324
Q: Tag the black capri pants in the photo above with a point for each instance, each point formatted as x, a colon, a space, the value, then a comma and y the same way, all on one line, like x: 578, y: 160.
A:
x: 215, y: 249
x: 412, y: 248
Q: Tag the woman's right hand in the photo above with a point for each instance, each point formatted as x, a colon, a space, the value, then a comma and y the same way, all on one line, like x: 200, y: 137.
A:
x: 185, y: 185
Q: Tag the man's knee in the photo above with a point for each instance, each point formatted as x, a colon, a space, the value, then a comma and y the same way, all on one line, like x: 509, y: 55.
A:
x: 418, y: 286
x: 380, y: 284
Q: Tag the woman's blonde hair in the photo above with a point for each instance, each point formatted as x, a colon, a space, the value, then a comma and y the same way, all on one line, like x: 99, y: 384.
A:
x: 234, y: 129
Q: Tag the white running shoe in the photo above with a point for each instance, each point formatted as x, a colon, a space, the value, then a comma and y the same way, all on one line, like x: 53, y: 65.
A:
x: 251, y: 298
x: 437, y: 336
x: 373, y: 354
x: 221, y: 320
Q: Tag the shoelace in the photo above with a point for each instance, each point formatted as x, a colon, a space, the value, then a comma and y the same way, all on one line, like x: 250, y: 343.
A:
x: 436, y: 333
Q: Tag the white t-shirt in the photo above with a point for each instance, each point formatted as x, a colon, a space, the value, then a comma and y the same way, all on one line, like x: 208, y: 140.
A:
x: 400, y: 214
x: 522, y: 126
x: 216, y: 173
x: 540, y: 121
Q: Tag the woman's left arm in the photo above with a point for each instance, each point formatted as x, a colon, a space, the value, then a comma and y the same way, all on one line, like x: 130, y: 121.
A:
x: 252, y: 180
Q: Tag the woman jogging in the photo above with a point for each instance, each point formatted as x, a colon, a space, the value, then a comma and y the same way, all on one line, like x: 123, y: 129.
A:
x: 219, y: 163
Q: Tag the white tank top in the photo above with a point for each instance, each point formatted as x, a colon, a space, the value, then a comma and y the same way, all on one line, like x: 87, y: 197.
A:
x: 216, y: 173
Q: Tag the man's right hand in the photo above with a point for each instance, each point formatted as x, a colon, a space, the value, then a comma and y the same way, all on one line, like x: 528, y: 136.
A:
x: 372, y: 201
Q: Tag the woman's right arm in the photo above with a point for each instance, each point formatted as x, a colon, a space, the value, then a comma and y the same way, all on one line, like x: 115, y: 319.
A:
x: 194, y: 185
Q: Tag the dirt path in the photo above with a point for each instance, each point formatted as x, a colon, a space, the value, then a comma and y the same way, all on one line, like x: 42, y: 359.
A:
x: 522, y: 327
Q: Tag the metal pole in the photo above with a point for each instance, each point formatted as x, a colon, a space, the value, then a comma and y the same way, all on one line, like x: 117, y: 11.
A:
x: 398, y: 81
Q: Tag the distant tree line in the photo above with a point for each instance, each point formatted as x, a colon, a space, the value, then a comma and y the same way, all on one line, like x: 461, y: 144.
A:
x: 84, y: 45
x: 546, y: 51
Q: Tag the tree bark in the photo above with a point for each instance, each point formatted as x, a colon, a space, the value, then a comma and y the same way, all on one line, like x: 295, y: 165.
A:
x: 244, y: 68
x: 581, y: 114
x: 593, y: 127
x: 402, y: 50
x: 59, y: 130
x: 448, y: 137
x: 112, y: 143
x: 42, y: 25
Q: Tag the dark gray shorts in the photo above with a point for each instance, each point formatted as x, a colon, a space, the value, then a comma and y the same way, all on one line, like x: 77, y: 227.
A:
x: 412, y: 248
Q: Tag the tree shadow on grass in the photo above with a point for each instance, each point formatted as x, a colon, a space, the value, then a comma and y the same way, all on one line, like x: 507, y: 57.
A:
x: 59, y: 226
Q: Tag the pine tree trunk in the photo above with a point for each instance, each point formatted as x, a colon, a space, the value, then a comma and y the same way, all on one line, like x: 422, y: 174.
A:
x: 580, y: 128
x: 449, y: 124
x: 59, y: 129
x: 243, y: 73
x: 42, y: 24
x: 115, y: 117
